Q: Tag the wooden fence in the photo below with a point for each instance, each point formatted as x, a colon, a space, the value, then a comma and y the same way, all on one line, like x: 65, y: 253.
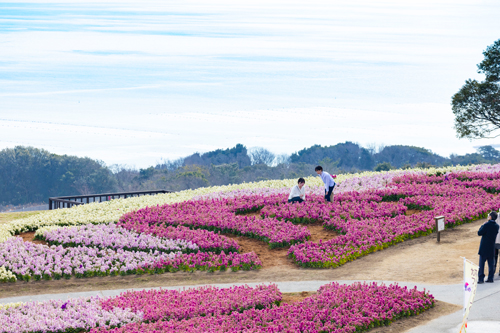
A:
x: 74, y: 200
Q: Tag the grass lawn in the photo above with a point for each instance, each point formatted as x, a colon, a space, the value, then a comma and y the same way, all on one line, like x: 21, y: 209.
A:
x: 7, y: 217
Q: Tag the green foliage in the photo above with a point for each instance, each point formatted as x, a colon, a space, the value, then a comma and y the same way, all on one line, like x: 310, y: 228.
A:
x: 146, y: 173
x: 348, y: 156
x: 194, y: 176
x: 424, y: 165
x: 238, y: 154
x: 468, y: 159
x: 490, y: 66
x: 386, y: 166
x: 476, y: 105
x: 29, y: 174
x: 408, y: 156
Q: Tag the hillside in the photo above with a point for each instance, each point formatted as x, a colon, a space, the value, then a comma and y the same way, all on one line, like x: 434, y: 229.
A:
x: 31, y: 175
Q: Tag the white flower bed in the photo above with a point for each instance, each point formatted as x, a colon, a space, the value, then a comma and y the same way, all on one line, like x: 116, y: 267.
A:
x: 6, y: 276
x: 72, y: 315
x: 10, y: 305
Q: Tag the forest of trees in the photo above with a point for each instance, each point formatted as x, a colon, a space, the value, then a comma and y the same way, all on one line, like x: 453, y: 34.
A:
x: 31, y: 175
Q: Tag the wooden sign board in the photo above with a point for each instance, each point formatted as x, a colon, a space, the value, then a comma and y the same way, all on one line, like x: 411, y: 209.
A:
x: 440, y: 223
x: 439, y: 226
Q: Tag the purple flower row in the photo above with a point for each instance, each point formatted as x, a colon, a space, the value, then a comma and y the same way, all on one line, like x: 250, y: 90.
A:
x: 205, y: 240
x: 35, y: 261
x: 114, y: 237
x: 336, y: 308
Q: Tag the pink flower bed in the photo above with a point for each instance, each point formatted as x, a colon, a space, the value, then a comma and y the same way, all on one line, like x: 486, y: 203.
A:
x: 336, y: 308
x: 366, y: 221
x: 208, y: 261
x: 198, y: 302
x: 206, y: 241
x: 82, y: 314
x: 215, y: 215
x: 458, y: 203
x: 315, y: 209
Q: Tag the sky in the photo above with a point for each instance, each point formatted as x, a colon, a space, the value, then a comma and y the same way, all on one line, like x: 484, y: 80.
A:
x: 134, y: 82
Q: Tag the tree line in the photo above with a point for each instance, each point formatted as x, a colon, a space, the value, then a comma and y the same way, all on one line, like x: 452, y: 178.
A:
x: 32, y: 175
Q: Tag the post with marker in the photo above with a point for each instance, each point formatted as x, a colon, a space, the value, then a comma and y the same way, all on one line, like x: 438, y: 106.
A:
x: 439, y: 226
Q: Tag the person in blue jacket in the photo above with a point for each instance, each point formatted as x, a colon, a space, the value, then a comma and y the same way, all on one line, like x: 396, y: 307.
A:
x: 488, y: 232
x: 327, y: 180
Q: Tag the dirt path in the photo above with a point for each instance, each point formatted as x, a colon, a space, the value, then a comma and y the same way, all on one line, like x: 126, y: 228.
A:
x: 420, y: 260
x: 30, y: 237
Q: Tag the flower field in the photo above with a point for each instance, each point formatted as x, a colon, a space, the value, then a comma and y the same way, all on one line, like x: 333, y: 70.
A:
x: 366, y: 221
x: 111, y: 211
x: 186, y: 231
x: 191, y: 230
x: 335, y: 308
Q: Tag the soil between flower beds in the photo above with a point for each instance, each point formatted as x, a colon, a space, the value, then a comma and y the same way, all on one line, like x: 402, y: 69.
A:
x: 278, y: 257
x: 30, y: 237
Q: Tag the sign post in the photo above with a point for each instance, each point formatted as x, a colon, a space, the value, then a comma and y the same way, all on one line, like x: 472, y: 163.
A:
x: 439, y: 226
x: 470, y: 286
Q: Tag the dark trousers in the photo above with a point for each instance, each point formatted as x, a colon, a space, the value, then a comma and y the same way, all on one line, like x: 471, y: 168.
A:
x: 328, y: 195
x: 491, y: 268
x: 295, y: 199
x: 496, y: 260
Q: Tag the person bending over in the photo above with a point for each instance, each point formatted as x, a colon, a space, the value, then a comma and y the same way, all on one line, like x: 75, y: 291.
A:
x: 327, y: 180
x: 298, y: 192
x: 488, y: 232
